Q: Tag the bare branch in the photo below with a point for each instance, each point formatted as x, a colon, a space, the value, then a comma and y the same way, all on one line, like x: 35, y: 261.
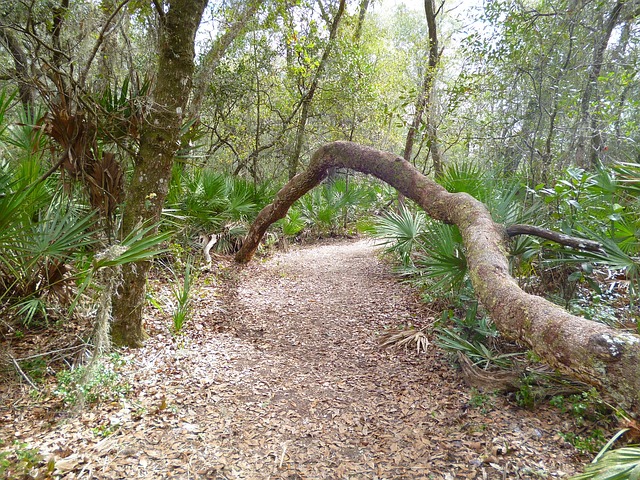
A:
x: 103, y: 33
x: 561, y: 238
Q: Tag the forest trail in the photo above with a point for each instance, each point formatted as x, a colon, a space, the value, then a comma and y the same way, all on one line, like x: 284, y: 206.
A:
x: 282, y: 377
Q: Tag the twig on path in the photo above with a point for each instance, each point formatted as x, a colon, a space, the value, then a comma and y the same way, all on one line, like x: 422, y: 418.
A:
x: 24, y: 375
x: 284, y: 451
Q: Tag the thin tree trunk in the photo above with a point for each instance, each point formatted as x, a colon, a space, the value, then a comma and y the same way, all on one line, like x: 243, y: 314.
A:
x: 587, y: 350
x: 21, y: 63
x: 425, y: 101
x: 294, y: 160
x: 589, y: 139
x: 212, y: 58
x: 362, y: 13
x: 159, y: 141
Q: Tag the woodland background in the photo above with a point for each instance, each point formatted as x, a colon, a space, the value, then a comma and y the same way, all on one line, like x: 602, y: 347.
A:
x: 133, y: 129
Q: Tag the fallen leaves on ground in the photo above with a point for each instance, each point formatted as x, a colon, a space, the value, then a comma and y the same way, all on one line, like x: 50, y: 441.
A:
x: 279, y: 375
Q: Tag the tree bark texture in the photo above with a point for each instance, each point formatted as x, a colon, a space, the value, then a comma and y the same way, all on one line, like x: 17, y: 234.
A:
x: 586, y: 350
x: 159, y: 142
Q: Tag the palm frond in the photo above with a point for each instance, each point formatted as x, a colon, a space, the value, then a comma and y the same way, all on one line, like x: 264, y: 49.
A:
x: 441, y: 257
x: 619, y: 464
x: 612, y: 257
x: 405, y: 337
x: 400, y: 232
x: 466, y: 177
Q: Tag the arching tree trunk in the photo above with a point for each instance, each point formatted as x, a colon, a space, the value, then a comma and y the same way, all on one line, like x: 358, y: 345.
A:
x: 589, y: 351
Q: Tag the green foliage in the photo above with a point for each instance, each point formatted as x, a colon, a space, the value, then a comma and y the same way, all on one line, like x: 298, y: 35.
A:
x: 329, y: 209
x: 484, y: 402
x: 619, y: 464
x: 19, y: 460
x: 293, y: 223
x: 612, y: 257
x: 202, y: 201
x: 440, y: 258
x: 467, y: 177
x: 400, y: 232
x: 526, y: 395
x: 36, y: 242
x: 141, y: 244
x: 102, y: 383
x: 480, y: 354
x: 590, y: 443
x: 182, y: 293
x: 629, y: 177
x: 585, y: 407
x: 471, y: 336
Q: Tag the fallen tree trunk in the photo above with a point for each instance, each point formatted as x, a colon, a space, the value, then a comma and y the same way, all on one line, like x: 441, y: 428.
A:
x: 589, y: 351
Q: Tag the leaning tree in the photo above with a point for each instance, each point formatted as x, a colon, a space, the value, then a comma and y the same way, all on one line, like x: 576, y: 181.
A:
x: 589, y: 351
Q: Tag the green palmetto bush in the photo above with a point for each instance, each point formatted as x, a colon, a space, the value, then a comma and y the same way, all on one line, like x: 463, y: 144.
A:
x: 601, y: 206
x: 49, y: 252
x: 469, y: 178
x: 201, y: 201
x: 400, y: 232
x: 431, y: 254
x: 331, y: 207
x: 619, y: 464
x: 612, y: 257
x: 292, y: 224
x: 48, y: 234
x: 204, y: 200
x: 629, y: 177
x: 440, y: 258
x: 39, y: 232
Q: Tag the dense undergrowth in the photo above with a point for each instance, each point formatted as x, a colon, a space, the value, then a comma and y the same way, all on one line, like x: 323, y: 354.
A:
x: 602, y: 205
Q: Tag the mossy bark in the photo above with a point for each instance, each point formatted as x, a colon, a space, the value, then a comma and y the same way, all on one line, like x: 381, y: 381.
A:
x: 589, y: 351
x: 159, y: 141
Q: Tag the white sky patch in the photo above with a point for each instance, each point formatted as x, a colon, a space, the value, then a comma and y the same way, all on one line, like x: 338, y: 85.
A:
x: 418, y: 5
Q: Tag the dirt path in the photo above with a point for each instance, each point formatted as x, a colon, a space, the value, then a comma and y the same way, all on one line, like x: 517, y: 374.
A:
x: 284, y: 379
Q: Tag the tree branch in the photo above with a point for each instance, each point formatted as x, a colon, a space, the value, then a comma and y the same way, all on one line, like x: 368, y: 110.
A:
x: 85, y: 71
x: 561, y: 238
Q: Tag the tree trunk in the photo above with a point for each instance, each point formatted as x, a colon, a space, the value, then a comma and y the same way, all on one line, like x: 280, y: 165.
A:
x: 158, y: 144
x: 425, y: 101
x: 21, y: 63
x: 294, y: 160
x: 362, y: 13
x: 589, y: 138
x: 211, y: 59
x: 589, y: 351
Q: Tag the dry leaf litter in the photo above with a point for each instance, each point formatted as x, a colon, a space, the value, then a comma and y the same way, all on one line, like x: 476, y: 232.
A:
x: 279, y: 375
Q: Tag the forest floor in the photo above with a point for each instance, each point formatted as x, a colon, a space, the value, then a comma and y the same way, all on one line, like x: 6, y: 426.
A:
x: 279, y: 375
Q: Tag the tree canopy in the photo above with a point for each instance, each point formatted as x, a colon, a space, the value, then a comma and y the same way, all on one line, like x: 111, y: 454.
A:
x: 128, y: 130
